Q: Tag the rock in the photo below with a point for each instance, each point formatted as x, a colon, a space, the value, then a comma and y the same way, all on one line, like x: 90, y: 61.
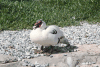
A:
x: 7, y: 59
x: 13, y: 64
x: 61, y: 64
x: 45, y: 60
x: 90, y: 59
x: 98, y: 60
x: 69, y: 61
x: 83, y: 57
x: 57, y: 59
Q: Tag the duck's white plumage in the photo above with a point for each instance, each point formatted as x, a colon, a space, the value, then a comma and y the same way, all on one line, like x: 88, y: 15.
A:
x: 48, y: 36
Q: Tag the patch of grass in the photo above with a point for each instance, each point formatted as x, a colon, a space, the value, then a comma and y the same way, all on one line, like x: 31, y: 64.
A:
x: 22, y: 14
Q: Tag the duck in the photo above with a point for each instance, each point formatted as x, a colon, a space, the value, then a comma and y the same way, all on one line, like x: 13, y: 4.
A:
x: 47, y: 35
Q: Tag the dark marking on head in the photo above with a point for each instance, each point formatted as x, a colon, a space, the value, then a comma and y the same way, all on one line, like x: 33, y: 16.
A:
x: 38, y: 23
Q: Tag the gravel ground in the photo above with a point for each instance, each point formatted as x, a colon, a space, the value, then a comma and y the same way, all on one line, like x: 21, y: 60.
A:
x: 18, y: 43
x: 85, y: 34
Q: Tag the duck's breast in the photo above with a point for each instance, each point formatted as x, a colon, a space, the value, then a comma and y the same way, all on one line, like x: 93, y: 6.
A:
x: 36, y: 35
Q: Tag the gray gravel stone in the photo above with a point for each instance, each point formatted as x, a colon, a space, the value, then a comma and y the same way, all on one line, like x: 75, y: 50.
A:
x: 32, y: 65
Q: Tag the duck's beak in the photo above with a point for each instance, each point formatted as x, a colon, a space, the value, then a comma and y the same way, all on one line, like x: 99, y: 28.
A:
x: 35, y: 24
x: 38, y: 24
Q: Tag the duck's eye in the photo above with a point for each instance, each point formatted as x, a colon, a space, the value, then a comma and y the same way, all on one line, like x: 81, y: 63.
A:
x: 40, y: 22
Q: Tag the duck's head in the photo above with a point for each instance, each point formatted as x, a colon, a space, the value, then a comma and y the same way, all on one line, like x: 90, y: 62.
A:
x: 40, y: 24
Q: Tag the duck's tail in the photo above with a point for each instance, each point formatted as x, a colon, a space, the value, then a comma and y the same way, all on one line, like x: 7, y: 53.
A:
x: 64, y: 41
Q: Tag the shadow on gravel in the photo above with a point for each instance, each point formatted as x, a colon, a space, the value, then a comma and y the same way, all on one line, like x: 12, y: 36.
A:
x: 58, y: 49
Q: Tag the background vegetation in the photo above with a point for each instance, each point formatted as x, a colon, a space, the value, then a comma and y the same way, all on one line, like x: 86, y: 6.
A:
x: 22, y: 14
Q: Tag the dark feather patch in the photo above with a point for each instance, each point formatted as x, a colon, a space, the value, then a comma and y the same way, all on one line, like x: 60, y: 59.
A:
x: 54, y: 32
x: 58, y: 40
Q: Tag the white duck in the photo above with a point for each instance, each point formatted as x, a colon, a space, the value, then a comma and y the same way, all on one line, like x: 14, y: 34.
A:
x: 47, y: 35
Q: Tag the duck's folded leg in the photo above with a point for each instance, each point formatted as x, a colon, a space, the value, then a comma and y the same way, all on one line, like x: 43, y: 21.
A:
x: 44, y: 50
x: 51, y: 49
x: 47, y: 50
x: 42, y: 47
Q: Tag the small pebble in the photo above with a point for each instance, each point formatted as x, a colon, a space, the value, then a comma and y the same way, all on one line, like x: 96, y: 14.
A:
x: 42, y: 54
x: 65, y: 54
x: 54, y: 64
x: 25, y: 64
x: 19, y: 59
x: 32, y: 65
x: 27, y: 53
x: 35, y: 55
x: 6, y: 61
x: 43, y: 66
x: 38, y: 55
x: 47, y: 64
x: 83, y: 63
x: 89, y: 63
x: 26, y: 61
x: 28, y: 57
x: 51, y: 56
x: 29, y: 64
x: 95, y: 66
x: 93, y: 62
x: 14, y: 60
x: 37, y: 65
x: 77, y: 66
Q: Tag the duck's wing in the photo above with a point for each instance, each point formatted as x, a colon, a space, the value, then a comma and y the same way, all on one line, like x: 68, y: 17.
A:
x: 54, y: 31
x: 58, y: 34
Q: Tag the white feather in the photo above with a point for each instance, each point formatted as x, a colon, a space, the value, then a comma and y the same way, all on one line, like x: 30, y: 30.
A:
x: 44, y: 36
